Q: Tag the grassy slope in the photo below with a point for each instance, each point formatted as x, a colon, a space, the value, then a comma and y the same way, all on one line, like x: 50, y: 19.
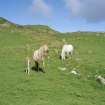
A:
x: 54, y: 87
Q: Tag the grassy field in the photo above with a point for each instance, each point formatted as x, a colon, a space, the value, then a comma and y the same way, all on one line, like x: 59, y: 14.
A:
x: 55, y: 87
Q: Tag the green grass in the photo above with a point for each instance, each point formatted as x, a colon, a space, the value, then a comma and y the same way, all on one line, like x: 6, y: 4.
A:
x: 54, y: 87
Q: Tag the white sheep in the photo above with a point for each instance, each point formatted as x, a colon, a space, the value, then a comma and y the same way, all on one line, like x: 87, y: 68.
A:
x: 39, y: 55
x: 67, y: 49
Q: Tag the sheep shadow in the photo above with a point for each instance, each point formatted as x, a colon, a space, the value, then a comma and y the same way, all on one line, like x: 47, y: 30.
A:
x: 34, y: 68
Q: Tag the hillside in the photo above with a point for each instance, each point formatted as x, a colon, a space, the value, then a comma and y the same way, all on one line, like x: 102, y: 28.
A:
x: 3, y: 20
x: 55, y: 87
x: 4, y: 23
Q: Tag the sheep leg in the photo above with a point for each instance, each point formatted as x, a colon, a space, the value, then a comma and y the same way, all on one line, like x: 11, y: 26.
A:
x: 63, y: 57
x: 37, y: 66
x: 43, y: 66
x: 28, y: 66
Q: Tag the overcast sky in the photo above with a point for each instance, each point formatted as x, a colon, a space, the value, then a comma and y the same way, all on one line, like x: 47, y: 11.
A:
x: 62, y: 15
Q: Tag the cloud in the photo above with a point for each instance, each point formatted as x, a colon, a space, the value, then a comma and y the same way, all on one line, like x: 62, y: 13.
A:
x: 40, y: 7
x: 91, y: 10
